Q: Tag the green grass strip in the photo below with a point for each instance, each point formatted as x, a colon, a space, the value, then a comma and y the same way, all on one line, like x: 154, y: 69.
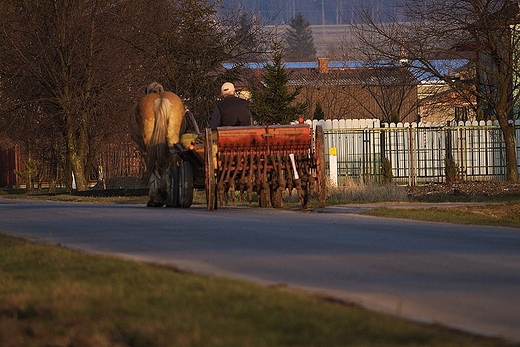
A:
x: 453, y: 215
x: 52, y: 296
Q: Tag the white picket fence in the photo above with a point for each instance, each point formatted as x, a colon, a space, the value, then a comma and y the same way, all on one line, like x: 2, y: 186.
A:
x: 416, y: 150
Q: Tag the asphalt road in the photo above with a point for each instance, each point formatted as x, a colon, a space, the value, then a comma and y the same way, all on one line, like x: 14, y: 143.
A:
x: 464, y: 277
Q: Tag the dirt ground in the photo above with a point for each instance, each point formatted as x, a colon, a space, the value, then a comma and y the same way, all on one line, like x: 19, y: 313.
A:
x: 462, y: 189
x: 122, y: 183
x: 465, y: 189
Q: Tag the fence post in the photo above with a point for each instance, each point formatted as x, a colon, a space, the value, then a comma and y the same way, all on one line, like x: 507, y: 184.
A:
x: 463, y: 147
x: 333, y: 166
x: 366, y: 155
x: 17, y: 166
x: 382, y: 147
x: 411, y: 178
x: 449, y: 154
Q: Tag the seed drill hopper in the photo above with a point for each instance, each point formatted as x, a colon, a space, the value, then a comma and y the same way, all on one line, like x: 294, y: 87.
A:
x: 269, y: 162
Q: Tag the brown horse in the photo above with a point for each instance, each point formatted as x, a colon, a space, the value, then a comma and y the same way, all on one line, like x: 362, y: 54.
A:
x: 155, y: 123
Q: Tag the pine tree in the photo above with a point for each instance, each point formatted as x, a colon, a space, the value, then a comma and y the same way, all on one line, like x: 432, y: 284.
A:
x: 274, y: 102
x: 251, y: 42
x: 299, y: 40
x: 318, y: 112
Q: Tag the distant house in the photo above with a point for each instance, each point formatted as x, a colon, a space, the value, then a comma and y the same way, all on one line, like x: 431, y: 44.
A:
x: 438, y: 102
x: 388, y: 93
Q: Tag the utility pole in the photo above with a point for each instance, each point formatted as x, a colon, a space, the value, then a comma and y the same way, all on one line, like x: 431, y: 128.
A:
x: 323, y: 17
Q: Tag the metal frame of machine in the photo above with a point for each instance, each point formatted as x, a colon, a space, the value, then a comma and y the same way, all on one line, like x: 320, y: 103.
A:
x: 266, y: 160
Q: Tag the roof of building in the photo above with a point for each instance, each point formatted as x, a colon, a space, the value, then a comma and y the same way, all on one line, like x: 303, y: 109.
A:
x: 443, y: 66
x: 301, y: 65
x: 366, y: 76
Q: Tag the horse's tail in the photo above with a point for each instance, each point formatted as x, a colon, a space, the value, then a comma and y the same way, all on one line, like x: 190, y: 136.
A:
x: 158, y: 151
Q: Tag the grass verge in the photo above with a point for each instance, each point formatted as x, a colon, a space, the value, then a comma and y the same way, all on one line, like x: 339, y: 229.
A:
x: 364, y: 192
x: 505, y: 215
x: 116, y: 196
x: 51, y: 296
x: 500, y: 210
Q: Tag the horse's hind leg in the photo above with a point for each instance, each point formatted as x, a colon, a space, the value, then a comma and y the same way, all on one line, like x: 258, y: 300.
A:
x: 166, y: 187
x: 156, y: 193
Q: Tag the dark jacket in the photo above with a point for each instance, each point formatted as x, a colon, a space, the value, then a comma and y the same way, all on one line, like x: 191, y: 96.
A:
x: 231, y: 111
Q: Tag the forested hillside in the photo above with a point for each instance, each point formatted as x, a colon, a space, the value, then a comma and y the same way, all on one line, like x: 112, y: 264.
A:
x: 317, y: 12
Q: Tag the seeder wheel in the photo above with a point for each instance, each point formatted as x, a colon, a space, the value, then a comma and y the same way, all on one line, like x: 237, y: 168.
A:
x: 209, y: 173
x: 320, y: 166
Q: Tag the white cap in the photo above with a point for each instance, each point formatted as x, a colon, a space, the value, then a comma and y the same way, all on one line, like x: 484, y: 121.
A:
x: 227, y: 89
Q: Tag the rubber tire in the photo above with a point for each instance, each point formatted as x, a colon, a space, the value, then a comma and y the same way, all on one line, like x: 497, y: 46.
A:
x: 185, y: 186
x: 174, y: 187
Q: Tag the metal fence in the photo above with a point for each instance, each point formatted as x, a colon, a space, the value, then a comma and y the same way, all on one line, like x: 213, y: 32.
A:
x: 416, y: 152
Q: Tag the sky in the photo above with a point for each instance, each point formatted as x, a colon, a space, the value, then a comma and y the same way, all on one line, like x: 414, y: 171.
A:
x: 317, y: 12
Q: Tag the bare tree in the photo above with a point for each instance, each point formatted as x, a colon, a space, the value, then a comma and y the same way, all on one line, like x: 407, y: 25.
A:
x: 62, y: 72
x: 72, y: 69
x: 389, y: 93
x: 483, y: 32
x: 188, y: 43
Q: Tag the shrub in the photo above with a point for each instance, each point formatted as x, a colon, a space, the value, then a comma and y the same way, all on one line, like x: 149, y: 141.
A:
x: 386, y: 171
x: 358, y: 191
x: 318, y: 111
x: 451, y: 170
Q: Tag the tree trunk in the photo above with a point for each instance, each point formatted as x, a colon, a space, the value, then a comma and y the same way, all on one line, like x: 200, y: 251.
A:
x: 78, y: 170
x: 507, y: 127
x: 510, y: 143
x: 76, y: 160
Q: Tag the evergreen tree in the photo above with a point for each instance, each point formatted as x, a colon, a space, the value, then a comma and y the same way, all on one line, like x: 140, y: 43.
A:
x: 318, y: 112
x: 251, y: 39
x: 274, y: 102
x: 299, y: 40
